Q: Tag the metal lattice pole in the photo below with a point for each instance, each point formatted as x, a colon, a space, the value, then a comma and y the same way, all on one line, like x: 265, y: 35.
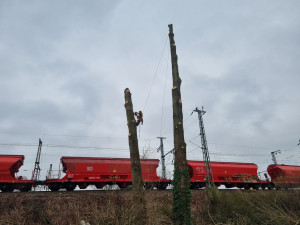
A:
x: 50, y: 172
x: 274, y: 157
x: 209, y: 180
x: 161, y: 149
x: 37, y: 169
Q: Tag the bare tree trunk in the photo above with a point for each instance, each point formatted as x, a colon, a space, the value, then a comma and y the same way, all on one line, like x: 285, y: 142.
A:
x: 181, y: 190
x: 140, y: 216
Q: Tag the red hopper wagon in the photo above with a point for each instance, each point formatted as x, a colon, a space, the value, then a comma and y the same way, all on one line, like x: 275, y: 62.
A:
x: 9, y: 166
x: 241, y: 175
x: 284, y: 176
x: 85, y: 171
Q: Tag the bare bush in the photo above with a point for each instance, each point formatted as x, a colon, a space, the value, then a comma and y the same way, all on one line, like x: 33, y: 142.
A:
x: 115, y: 207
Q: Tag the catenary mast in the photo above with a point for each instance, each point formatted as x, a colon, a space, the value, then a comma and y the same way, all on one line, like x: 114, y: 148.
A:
x: 209, y: 180
x: 37, y: 169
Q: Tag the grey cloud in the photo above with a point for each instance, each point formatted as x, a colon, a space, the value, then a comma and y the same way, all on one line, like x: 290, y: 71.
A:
x: 65, y: 65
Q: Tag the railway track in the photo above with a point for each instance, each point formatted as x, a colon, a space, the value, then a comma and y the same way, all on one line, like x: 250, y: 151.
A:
x: 97, y: 192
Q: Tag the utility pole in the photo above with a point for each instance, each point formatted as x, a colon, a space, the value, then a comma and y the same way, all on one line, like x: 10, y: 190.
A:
x: 209, y: 179
x: 138, y: 195
x: 49, y: 176
x: 274, y: 157
x: 37, y: 169
x: 181, y: 189
x: 163, y: 165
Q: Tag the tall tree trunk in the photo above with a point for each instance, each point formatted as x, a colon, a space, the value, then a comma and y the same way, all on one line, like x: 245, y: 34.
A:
x: 140, y: 216
x: 181, y: 190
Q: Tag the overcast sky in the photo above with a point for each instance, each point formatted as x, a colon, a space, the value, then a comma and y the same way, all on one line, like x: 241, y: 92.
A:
x: 65, y: 65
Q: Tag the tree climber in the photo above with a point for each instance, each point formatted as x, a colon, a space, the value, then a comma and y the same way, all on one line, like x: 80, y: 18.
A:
x: 139, y: 116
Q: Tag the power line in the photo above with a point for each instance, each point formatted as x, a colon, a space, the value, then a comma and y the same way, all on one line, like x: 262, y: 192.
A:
x: 93, y: 148
x: 162, y: 107
x: 155, y: 74
x: 122, y: 148
x: 60, y: 146
x: 18, y: 145
x: 59, y: 135
x: 73, y: 136
x: 185, y: 127
x: 232, y: 154
x: 242, y: 146
x: 291, y: 156
x: 194, y: 137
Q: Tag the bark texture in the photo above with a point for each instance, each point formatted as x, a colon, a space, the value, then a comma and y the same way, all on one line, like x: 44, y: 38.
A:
x: 181, y: 192
x: 137, y: 180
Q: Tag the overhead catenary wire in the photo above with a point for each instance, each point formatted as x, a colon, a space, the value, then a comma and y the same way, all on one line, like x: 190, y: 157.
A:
x: 60, y: 146
x: 163, y: 101
x: 106, y: 150
x: 289, y: 150
x: 291, y: 156
x: 155, y: 74
x: 120, y: 139
x: 60, y: 135
x: 185, y: 127
x: 148, y: 143
x: 194, y: 137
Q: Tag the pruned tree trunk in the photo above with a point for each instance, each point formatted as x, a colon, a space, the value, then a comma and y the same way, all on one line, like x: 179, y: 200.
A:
x: 181, y: 189
x: 140, y: 216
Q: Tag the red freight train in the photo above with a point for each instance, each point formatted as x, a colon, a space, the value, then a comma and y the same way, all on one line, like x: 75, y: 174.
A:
x: 85, y: 171
x: 9, y: 166
x: 241, y: 175
x: 284, y: 176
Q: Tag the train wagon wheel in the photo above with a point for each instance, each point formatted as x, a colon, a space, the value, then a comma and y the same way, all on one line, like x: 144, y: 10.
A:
x: 196, y: 186
x: 162, y: 186
x: 25, y: 188
x: 83, y: 185
x: 123, y: 184
x: 7, y: 188
x: 240, y: 186
x: 149, y: 186
x: 70, y: 187
x: 255, y: 186
x: 54, y: 187
x: 229, y: 185
x: 100, y: 185
x: 193, y: 186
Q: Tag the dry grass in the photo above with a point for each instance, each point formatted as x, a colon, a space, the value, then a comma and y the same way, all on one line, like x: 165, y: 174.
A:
x: 262, y: 207
x: 115, y: 207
